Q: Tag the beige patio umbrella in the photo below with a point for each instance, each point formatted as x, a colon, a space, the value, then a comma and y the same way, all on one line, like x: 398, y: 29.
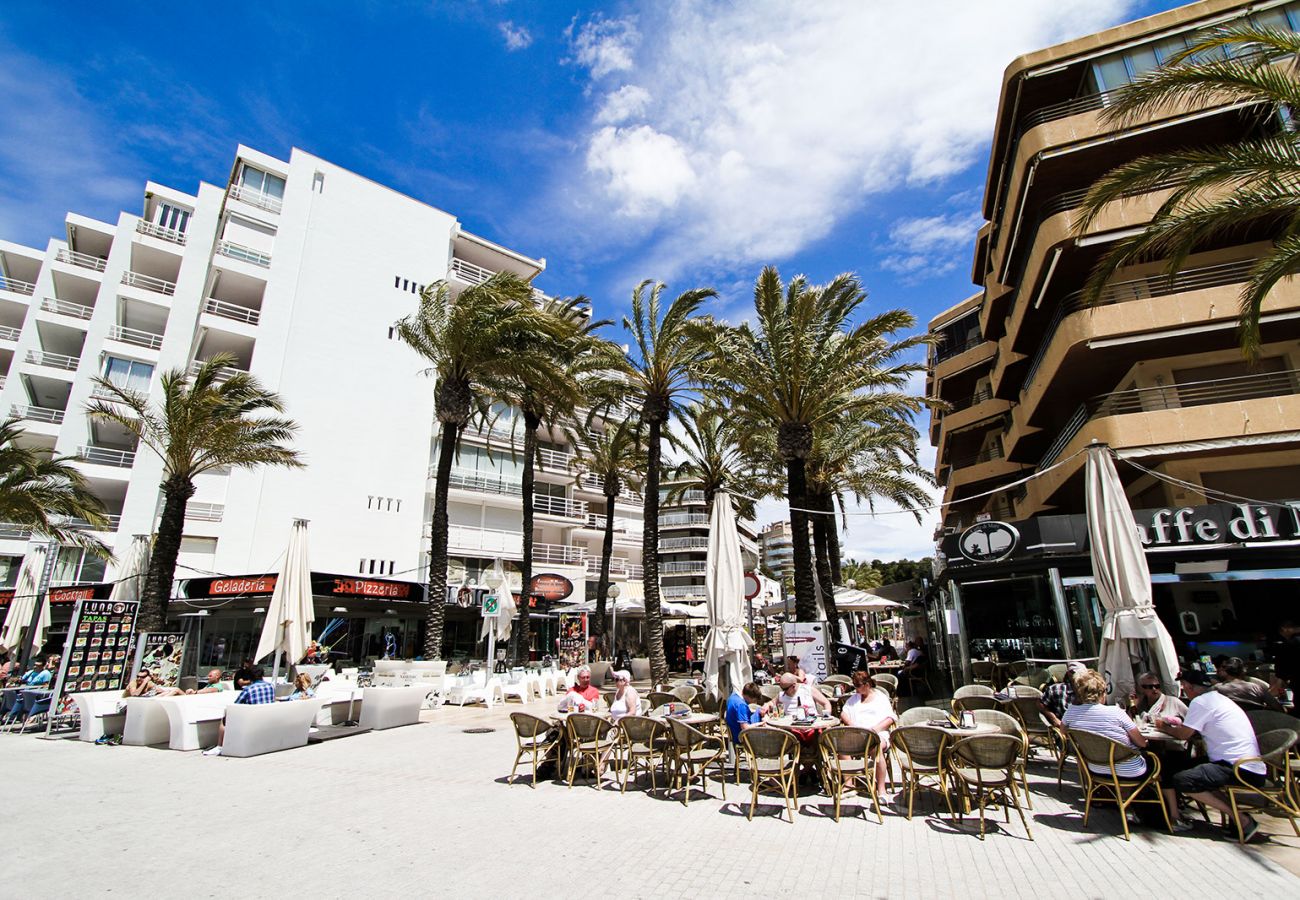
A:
x: 135, y: 566
x: 24, y: 603
x: 1133, y: 637
x: 727, y: 647
x: 291, y: 613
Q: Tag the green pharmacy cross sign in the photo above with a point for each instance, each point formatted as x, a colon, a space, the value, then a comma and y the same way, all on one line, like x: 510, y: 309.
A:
x: 490, y: 606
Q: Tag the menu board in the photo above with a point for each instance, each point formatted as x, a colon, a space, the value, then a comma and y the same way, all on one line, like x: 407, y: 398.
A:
x: 573, y: 636
x: 98, y: 650
x: 161, y: 653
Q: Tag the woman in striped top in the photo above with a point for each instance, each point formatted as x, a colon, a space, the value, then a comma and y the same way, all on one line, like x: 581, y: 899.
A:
x: 1090, y: 713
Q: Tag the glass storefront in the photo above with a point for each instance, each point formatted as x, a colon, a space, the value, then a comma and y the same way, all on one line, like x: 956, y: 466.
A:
x: 1012, y: 617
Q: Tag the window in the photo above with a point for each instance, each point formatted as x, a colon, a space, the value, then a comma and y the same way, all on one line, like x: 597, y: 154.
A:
x: 173, y: 217
x: 76, y: 566
x: 262, y: 182
x: 128, y: 373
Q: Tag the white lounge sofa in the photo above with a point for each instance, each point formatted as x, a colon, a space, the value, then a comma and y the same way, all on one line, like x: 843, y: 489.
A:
x: 254, y: 729
x: 475, y: 688
x: 400, y: 672
x: 391, y: 707
x: 341, y: 701
x: 146, y: 722
x: 192, y: 721
x: 99, y: 714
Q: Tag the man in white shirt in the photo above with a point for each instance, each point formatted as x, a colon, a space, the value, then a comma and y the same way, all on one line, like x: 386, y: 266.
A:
x: 1229, y: 738
x: 795, y: 697
x: 869, y: 707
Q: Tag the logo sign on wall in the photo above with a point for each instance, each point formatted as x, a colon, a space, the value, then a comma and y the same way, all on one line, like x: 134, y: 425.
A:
x: 101, y: 639
x: 988, y: 541
x: 550, y: 586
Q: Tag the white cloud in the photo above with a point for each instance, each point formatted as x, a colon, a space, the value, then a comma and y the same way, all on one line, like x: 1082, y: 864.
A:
x: 929, y: 246
x: 517, y: 37
x: 604, y: 46
x: 776, y: 120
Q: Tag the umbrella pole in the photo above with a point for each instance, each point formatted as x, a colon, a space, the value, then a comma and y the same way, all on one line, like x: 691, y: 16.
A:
x: 492, y: 651
x: 275, y: 667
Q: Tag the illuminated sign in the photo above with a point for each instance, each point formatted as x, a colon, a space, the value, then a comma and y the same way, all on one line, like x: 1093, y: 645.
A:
x: 550, y: 586
x: 260, y: 584
x: 362, y: 587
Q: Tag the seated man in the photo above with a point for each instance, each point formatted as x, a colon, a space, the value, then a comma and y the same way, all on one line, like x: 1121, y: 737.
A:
x: 1151, y: 700
x: 1228, y: 737
x: 870, y: 708
x: 739, y: 715
x: 214, y: 684
x: 39, y: 675
x: 1245, y: 692
x: 145, y: 685
x: 258, y: 691
x: 797, y: 697
x: 583, y: 696
x: 1059, y: 697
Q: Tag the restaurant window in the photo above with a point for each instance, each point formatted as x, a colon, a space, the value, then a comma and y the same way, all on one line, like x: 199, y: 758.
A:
x: 128, y: 373
x: 77, y: 566
x: 1013, y: 617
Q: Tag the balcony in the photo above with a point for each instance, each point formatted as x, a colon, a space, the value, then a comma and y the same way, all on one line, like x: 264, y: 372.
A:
x: 468, y: 272
x: 244, y: 254
x: 948, y: 349
x: 205, y: 512
x: 691, y: 567
x: 683, y: 520
x: 165, y: 234
x: 595, y: 485
x: 11, y: 531
x: 254, y: 198
x: 37, y: 414
x: 988, y: 454
x: 669, y: 545
x: 622, y: 525
x: 16, y: 286
x: 465, y: 539
x: 471, y: 480
x: 113, y: 524
x: 555, y: 460
x: 67, y: 308
x: 231, y: 311
x: 149, y: 283
x: 559, y: 554
x: 682, y: 591
x: 9, y: 333
x: 225, y: 373
x: 107, y: 456
x: 52, y: 360
x: 135, y: 336
x: 619, y: 567
x: 560, y: 506
x: 84, y: 260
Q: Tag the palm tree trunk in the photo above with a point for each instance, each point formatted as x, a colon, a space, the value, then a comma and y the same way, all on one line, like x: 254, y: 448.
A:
x: 654, y: 621
x: 602, y: 586
x: 805, y: 600
x: 523, y: 626
x: 833, y: 542
x: 822, y: 526
x: 177, y: 492
x: 437, y: 614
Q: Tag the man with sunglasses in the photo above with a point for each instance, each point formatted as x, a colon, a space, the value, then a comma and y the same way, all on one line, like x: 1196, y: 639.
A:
x: 1151, y: 700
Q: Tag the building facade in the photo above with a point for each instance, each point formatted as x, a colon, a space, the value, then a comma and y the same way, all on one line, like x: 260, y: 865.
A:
x: 1031, y: 375
x: 777, y: 546
x: 299, y: 269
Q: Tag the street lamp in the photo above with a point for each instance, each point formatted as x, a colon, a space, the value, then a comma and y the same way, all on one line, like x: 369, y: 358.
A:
x: 612, y: 593
x: 493, y: 580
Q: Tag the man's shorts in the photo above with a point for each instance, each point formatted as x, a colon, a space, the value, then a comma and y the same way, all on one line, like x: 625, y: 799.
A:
x: 1210, y: 776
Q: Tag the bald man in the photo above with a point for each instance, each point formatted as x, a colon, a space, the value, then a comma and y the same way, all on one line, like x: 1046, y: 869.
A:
x: 795, y: 696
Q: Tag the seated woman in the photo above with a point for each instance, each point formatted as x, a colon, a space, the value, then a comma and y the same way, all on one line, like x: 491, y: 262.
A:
x: 626, y: 702
x: 870, y: 708
x: 1089, y: 712
x: 302, y: 687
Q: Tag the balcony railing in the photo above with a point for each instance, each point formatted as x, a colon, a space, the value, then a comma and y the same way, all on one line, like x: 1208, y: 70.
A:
x: 622, y: 524
x: 560, y: 506
x: 11, y: 531
x: 692, y: 567
x: 596, y: 485
x: 113, y: 524
x: 555, y: 460
x: 468, y: 272
x: 246, y: 254
x: 149, y: 283
x: 136, y: 336
x: 222, y: 375
x: 492, y: 541
x: 37, y: 414
x: 99, y: 392
x: 16, y: 286
x: 973, y: 400
x: 205, y: 512
x: 988, y: 454
x: 53, y: 360
x: 9, y: 333
x: 689, y: 496
x: 255, y: 198
x: 471, y: 480
x: 619, y: 566
x: 85, y: 260
x: 1063, y: 110
x: 948, y: 349
x: 107, y: 456
x: 67, y: 308
x: 559, y: 554
x: 678, y: 520
x: 667, y: 545
x: 681, y: 591
x: 154, y: 230
x: 231, y: 311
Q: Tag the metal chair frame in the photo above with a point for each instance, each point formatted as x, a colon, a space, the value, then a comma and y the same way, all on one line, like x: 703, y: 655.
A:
x: 1124, y: 790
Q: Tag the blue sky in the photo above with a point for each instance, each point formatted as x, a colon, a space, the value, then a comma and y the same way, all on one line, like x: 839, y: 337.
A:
x: 692, y: 143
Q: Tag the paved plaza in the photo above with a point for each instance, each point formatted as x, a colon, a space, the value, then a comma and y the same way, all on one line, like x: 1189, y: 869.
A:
x: 425, y: 810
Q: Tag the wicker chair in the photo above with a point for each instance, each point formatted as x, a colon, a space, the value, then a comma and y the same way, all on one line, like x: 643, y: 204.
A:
x: 608, y: 698
x: 693, y: 754
x: 770, y: 691
x: 1009, y: 725
x: 1034, y: 678
x: 1057, y: 672
x: 1276, y: 748
x: 659, y: 698
x: 1038, y: 732
x: 589, y: 740
x: 688, y: 695
x: 984, y: 766
x: 972, y: 690
x: 982, y: 671
x: 978, y: 702
x: 921, y: 754
x: 919, y: 715
x: 843, y: 680
x: 1095, y: 750
x: 533, y: 741
x: 1015, y: 689
x: 644, y: 743
x: 773, y: 758
x: 886, y: 681
x: 849, y: 754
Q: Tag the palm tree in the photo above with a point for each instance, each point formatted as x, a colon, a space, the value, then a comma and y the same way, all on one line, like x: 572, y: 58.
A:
x: 802, y: 367
x: 715, y: 460
x: 863, y: 575
x: 202, y: 423
x: 1219, y: 191
x: 615, y: 458
x: 671, y: 349
x: 479, y: 343
x: 45, y: 493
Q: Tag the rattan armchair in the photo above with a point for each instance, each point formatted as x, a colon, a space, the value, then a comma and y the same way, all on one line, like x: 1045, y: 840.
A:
x: 982, y: 671
x: 659, y: 698
x: 773, y: 757
x: 1276, y: 749
x: 974, y: 702
x: 919, y: 715
x: 1008, y: 724
x: 688, y: 695
x: 694, y: 753
x: 1095, y: 750
x: 922, y: 756
x: 848, y: 755
x: 589, y: 740
x: 984, y: 766
x: 533, y: 741
x: 770, y: 692
x: 886, y: 681
x: 645, y: 745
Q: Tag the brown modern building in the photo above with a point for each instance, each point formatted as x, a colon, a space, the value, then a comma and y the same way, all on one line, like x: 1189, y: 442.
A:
x: 1031, y: 375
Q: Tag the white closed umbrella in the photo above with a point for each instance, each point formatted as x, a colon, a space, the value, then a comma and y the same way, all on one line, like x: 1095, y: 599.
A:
x: 498, y: 627
x: 129, y: 585
x: 727, y: 647
x: 1132, y: 635
x: 24, y: 602
x: 291, y: 613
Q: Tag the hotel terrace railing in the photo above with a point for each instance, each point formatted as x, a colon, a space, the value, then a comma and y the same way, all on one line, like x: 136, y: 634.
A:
x: 472, y: 480
x: 681, y: 591
x: 205, y: 512
x: 67, y: 308
x: 489, y: 540
x: 16, y: 286
x: 114, y: 522
x: 85, y: 260
x: 559, y: 554
x: 1193, y: 279
x: 948, y: 349
x: 53, y: 360
x: 691, y: 567
x: 687, y: 496
x: 229, y: 310
x: 618, y: 565
x: 10, y: 531
x: 1172, y: 396
x: 37, y: 414
x: 687, y: 543
x: 679, y: 520
x: 226, y: 371
x: 590, y: 482
x: 560, y: 506
x: 149, y: 283
x: 155, y: 230
x: 246, y: 254
x: 254, y: 198
x: 966, y: 402
x: 9, y: 333
x: 107, y: 456
x: 988, y: 454
x: 622, y: 524
x: 555, y: 460
x: 135, y: 336
x: 468, y: 272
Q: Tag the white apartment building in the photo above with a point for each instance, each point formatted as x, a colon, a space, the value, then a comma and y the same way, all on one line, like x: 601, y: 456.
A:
x: 299, y: 269
x: 777, y: 545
